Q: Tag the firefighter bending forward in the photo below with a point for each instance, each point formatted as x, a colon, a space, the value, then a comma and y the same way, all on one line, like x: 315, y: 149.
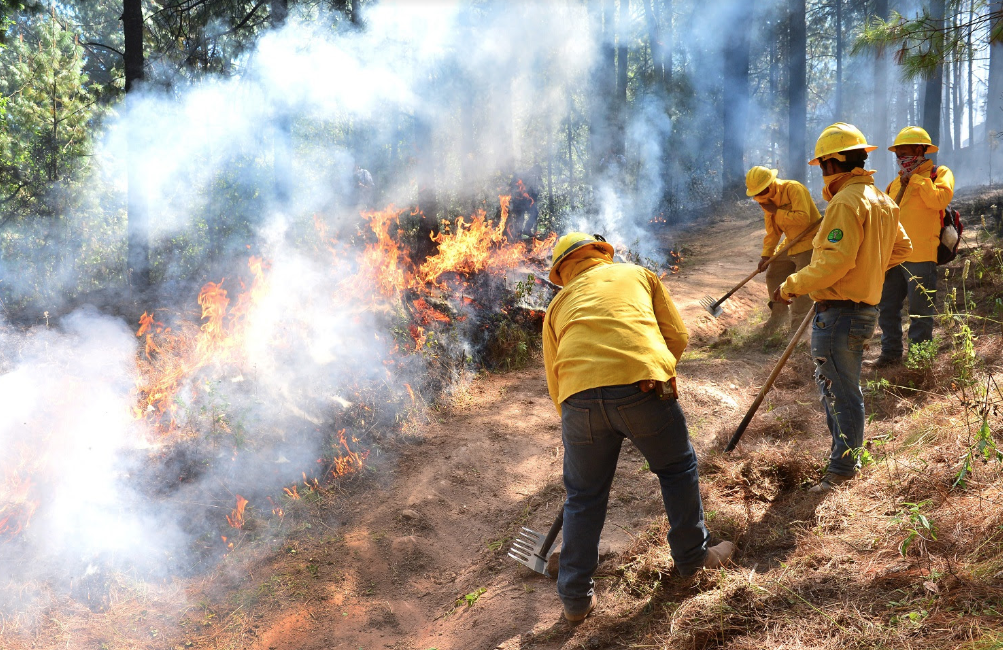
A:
x: 860, y: 238
x: 611, y: 339
x: 787, y: 211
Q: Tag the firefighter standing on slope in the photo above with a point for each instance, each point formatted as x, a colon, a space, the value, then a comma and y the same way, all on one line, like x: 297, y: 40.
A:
x: 922, y: 192
x: 860, y: 238
x: 787, y: 211
x: 611, y: 339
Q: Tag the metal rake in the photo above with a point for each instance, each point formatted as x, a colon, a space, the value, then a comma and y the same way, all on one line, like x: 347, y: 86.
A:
x: 532, y: 548
x: 714, y: 306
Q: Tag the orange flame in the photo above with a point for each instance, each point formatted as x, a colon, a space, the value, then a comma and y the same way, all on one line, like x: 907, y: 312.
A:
x: 172, y: 358
x: 236, y: 518
x: 350, y: 461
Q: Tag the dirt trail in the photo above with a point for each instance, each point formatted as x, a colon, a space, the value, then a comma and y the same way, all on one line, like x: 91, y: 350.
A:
x: 391, y: 573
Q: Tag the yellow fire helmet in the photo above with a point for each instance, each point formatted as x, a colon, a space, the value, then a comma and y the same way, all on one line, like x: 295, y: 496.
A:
x: 758, y: 179
x: 836, y: 138
x: 914, y: 135
x: 570, y: 243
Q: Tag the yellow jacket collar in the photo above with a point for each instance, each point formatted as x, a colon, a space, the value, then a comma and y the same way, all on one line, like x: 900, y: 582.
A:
x: 580, y: 261
x: 838, y: 181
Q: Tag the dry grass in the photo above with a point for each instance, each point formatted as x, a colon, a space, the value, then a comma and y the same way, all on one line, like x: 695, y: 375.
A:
x: 899, y: 558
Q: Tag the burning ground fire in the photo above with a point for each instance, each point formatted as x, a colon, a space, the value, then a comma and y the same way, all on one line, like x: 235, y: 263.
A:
x: 179, y: 360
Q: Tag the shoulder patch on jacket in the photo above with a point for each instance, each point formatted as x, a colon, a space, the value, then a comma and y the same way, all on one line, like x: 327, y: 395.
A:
x: 834, y: 235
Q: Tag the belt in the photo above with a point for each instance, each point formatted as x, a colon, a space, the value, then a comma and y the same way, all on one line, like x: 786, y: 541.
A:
x: 664, y: 389
x: 822, y: 305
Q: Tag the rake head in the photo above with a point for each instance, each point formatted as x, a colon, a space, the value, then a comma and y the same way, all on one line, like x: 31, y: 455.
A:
x: 528, y: 549
x: 712, y: 306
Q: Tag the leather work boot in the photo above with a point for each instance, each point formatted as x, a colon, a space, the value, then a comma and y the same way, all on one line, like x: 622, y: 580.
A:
x: 579, y: 617
x: 718, y: 556
x: 885, y: 361
x: 829, y: 481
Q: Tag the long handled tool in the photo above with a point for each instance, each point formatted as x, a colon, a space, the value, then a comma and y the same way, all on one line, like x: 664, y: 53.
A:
x: 714, y: 306
x: 769, y: 382
x: 531, y: 548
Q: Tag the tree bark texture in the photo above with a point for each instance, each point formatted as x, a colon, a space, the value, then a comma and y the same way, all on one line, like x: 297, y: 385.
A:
x: 994, y: 96
x: 736, y: 101
x: 935, y: 83
x: 138, y: 217
x: 797, y: 92
x: 622, y: 53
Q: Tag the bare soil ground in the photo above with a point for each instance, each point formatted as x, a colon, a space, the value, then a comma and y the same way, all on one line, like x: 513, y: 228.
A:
x: 412, y: 556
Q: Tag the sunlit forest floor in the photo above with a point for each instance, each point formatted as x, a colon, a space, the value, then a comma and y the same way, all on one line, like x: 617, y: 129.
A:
x: 411, y: 554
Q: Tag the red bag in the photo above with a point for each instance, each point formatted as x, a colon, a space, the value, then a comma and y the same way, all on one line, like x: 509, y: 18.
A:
x: 950, y: 231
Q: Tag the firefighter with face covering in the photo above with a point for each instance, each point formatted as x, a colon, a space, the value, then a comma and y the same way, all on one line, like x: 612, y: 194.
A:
x: 859, y: 240
x: 787, y: 211
x: 611, y: 339
x: 922, y: 190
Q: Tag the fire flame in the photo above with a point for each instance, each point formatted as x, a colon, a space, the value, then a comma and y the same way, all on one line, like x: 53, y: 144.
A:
x: 171, y: 358
x: 236, y: 518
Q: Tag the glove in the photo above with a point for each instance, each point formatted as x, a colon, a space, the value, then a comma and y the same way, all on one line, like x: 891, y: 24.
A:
x: 779, y: 297
x: 770, y: 207
x: 762, y: 263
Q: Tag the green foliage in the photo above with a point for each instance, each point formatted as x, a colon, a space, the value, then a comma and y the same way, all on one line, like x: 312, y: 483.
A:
x: 922, y: 43
x: 48, y: 112
x: 471, y: 598
x: 922, y: 355
x: 875, y: 387
x: 916, y: 524
x: 983, y: 448
x: 509, y: 345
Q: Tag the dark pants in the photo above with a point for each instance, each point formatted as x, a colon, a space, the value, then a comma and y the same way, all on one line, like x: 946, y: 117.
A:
x: 917, y: 282
x: 595, y: 423
x: 838, y: 337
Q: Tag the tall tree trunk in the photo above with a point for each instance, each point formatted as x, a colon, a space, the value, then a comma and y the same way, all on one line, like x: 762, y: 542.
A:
x: 994, y: 96
x: 356, y: 13
x: 934, y: 84
x: 667, y: 39
x: 774, y: 80
x: 957, y: 113
x: 881, y: 125
x: 138, y: 223
x: 571, y: 157
x: 797, y: 91
x: 282, y: 128
x: 968, y: 88
x: 622, y: 54
x: 603, y: 88
x: 468, y: 196
x: 838, y: 112
x: 653, y: 41
x: 736, y: 101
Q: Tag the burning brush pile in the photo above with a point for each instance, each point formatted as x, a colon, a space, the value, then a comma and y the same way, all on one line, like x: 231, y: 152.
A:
x: 301, y: 370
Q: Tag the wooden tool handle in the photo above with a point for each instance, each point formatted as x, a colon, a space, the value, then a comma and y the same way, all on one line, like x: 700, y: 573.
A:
x: 780, y: 252
x: 769, y: 382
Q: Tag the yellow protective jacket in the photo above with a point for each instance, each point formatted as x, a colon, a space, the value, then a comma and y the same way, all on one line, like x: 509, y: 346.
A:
x: 796, y: 212
x: 860, y: 238
x: 921, y: 206
x: 611, y: 324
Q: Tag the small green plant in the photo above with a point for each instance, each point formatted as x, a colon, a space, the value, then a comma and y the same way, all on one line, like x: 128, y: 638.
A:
x: 917, y: 525
x: 922, y: 355
x: 874, y: 387
x: 983, y: 448
x: 471, y: 598
x: 497, y: 544
x: 524, y: 288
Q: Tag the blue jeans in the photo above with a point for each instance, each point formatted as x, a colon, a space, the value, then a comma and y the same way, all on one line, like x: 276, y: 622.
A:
x: 916, y: 281
x: 838, y: 337
x: 595, y: 423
